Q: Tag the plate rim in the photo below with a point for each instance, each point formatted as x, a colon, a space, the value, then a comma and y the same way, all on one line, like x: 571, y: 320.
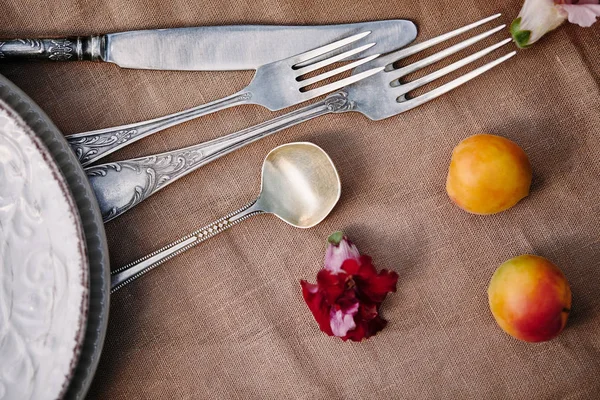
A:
x: 93, y: 227
x: 84, y: 267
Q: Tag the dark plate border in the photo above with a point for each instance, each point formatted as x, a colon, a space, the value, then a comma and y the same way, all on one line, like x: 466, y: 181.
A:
x: 93, y: 228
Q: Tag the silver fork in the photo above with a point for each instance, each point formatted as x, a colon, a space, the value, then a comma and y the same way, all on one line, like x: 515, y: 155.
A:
x: 275, y: 86
x: 121, y: 185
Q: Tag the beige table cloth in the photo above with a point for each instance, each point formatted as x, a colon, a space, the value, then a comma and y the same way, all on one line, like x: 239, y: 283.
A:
x: 227, y: 319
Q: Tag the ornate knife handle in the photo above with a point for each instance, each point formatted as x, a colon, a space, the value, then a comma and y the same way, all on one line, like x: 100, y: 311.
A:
x: 121, y: 185
x: 77, y: 48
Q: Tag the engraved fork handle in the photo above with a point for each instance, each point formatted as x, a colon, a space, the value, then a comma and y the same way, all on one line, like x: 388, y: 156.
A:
x: 65, y: 49
x: 134, y: 270
x: 93, y: 145
x: 119, y: 186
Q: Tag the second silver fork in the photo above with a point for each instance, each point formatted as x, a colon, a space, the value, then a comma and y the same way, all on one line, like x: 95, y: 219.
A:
x: 275, y: 86
x: 121, y: 185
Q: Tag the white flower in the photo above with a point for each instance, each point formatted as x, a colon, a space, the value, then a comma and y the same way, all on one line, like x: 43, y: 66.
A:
x: 538, y: 17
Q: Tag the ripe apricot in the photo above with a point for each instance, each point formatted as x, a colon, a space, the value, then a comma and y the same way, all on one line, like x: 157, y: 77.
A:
x: 530, y: 298
x: 488, y: 174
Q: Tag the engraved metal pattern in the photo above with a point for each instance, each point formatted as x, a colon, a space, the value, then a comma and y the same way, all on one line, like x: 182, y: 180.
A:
x: 36, y: 45
x: 92, y: 146
x: 158, y: 170
x: 87, y: 147
x: 244, y: 97
x: 200, y: 236
x: 339, y: 103
x: 63, y: 49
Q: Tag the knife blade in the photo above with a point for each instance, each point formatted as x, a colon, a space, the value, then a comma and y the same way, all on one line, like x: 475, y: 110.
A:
x: 207, y: 48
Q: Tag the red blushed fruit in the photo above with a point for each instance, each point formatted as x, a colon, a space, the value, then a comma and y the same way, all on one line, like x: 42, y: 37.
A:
x: 530, y: 298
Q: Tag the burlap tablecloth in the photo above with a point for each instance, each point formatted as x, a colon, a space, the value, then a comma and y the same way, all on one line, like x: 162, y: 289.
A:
x: 227, y: 319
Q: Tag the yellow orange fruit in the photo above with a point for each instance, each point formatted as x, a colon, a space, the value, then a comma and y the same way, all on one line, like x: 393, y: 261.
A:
x: 530, y: 298
x: 488, y: 174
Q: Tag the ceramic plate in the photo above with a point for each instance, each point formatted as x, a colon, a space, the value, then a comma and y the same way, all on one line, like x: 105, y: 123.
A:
x: 43, y: 268
x: 81, y: 211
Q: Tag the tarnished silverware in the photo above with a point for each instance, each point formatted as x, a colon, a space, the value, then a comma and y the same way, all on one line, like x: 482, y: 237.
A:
x: 300, y: 185
x: 204, y: 48
x: 119, y: 186
x: 275, y: 86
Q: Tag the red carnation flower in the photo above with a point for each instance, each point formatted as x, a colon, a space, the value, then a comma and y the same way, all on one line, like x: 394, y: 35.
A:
x: 346, y: 298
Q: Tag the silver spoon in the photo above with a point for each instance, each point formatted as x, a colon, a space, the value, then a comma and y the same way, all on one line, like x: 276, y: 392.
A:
x: 300, y: 185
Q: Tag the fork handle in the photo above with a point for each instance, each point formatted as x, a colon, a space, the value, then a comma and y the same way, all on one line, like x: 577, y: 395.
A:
x: 120, y: 186
x: 91, y: 146
x: 75, y: 48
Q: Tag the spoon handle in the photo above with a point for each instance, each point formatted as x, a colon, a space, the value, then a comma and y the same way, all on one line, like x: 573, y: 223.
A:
x: 134, y: 270
x: 121, y: 185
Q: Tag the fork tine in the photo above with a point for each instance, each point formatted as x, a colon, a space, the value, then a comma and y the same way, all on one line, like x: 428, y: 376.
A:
x: 331, y: 60
x: 400, y: 72
x: 325, y: 75
x: 424, y: 98
x: 341, y: 83
x: 446, y: 70
x: 403, y: 53
x: 327, y: 48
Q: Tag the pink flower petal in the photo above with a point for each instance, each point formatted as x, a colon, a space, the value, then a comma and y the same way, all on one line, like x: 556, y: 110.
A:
x: 336, y: 254
x: 345, y: 301
x: 342, y: 321
x: 318, y: 305
x: 583, y: 13
x: 309, y: 287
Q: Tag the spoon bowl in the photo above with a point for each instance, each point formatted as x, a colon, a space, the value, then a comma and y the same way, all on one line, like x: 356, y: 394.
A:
x: 300, y: 184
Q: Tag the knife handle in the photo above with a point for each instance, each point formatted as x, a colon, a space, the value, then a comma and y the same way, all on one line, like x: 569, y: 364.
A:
x: 66, y: 49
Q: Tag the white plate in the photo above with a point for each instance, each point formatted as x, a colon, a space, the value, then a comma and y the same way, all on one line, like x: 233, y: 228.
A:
x: 43, y: 269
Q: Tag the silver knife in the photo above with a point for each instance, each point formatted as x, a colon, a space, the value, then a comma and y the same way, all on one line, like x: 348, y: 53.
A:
x: 207, y: 48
